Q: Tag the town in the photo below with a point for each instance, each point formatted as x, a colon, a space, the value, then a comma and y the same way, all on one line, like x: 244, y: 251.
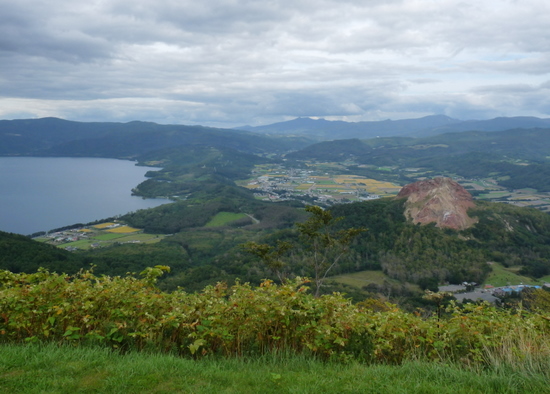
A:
x: 331, y: 183
x: 277, y: 183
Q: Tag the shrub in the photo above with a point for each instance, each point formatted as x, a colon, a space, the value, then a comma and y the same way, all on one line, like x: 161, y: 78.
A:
x: 129, y: 313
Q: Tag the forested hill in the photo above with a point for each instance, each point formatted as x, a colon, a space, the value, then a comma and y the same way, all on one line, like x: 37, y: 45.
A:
x: 200, y: 254
x: 58, y: 137
x: 503, y: 233
x: 21, y: 254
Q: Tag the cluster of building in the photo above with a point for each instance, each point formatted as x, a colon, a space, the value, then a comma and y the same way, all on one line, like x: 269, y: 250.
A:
x: 509, y: 290
x: 66, y: 236
x: 288, y: 184
x: 487, y: 293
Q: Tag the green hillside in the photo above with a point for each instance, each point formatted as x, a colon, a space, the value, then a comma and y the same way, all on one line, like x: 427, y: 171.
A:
x: 21, y: 254
x: 200, y: 254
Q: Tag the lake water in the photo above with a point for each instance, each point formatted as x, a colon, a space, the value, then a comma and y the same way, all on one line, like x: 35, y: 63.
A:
x: 40, y: 194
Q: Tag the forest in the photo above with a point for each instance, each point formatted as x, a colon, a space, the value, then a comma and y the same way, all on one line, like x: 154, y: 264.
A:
x: 424, y: 256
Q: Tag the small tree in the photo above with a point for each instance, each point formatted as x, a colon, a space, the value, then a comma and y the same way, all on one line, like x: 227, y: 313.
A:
x: 271, y: 256
x: 326, y: 244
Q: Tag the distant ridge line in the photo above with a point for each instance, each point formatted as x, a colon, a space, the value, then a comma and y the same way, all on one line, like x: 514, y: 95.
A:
x: 322, y: 129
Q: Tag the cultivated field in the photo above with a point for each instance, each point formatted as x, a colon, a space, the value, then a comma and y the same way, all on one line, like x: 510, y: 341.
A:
x: 99, y: 235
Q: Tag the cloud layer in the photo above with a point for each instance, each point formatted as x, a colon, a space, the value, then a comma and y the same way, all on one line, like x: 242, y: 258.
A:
x: 236, y: 62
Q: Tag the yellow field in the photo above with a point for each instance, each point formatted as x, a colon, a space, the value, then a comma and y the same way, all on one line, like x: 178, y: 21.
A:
x: 85, y: 230
x: 366, y: 181
x: 370, y: 185
x: 104, y: 225
x: 339, y: 187
x: 123, y: 229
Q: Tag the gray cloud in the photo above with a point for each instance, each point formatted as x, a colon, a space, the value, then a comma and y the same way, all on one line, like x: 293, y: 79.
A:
x: 234, y: 62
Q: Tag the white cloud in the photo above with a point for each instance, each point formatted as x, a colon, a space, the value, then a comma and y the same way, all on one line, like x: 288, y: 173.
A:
x: 233, y: 62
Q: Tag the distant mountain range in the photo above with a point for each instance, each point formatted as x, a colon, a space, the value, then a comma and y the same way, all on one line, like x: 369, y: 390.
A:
x: 59, y: 137
x: 322, y: 130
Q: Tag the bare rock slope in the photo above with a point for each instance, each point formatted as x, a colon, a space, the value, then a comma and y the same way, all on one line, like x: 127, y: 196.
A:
x: 439, y: 200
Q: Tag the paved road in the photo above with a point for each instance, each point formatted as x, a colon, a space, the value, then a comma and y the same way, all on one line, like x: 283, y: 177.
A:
x: 475, y: 295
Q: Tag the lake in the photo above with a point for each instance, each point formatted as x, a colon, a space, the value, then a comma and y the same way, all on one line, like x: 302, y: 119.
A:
x: 40, y: 194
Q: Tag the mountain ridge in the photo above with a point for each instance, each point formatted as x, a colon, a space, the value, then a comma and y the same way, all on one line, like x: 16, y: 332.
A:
x: 60, y: 137
x: 431, y: 125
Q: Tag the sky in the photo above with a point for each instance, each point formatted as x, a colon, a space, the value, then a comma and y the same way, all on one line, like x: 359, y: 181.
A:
x: 228, y: 63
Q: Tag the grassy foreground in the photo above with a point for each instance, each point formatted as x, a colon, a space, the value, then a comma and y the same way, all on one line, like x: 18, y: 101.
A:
x: 49, y: 368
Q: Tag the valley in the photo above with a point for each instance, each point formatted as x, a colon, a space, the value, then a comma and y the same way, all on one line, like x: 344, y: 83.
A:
x: 329, y: 183
x: 326, y: 183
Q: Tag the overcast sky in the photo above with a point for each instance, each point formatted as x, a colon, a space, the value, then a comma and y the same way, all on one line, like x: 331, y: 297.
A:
x: 227, y: 63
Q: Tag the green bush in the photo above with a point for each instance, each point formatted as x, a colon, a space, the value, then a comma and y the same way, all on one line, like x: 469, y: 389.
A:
x: 128, y: 313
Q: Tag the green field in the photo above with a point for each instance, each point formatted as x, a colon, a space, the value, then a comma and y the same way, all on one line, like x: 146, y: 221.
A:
x: 53, y: 369
x: 363, y: 278
x: 223, y: 218
x: 104, y: 239
x: 502, y: 276
x: 108, y: 236
x: 494, y: 195
x: 147, y: 238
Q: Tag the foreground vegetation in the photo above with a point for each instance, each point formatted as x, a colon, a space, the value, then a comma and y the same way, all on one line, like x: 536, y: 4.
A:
x: 63, y: 369
x: 242, y: 321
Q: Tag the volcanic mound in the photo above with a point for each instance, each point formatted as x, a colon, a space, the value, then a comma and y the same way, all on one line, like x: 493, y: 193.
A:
x: 439, y: 200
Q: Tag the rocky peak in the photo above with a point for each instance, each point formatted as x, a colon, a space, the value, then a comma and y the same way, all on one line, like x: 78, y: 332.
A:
x: 439, y: 200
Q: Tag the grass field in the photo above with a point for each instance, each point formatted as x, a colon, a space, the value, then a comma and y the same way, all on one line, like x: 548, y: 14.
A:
x: 502, y: 276
x: 494, y: 195
x: 223, y: 218
x: 53, y: 369
x: 362, y: 278
x: 108, y: 236
x: 147, y: 238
